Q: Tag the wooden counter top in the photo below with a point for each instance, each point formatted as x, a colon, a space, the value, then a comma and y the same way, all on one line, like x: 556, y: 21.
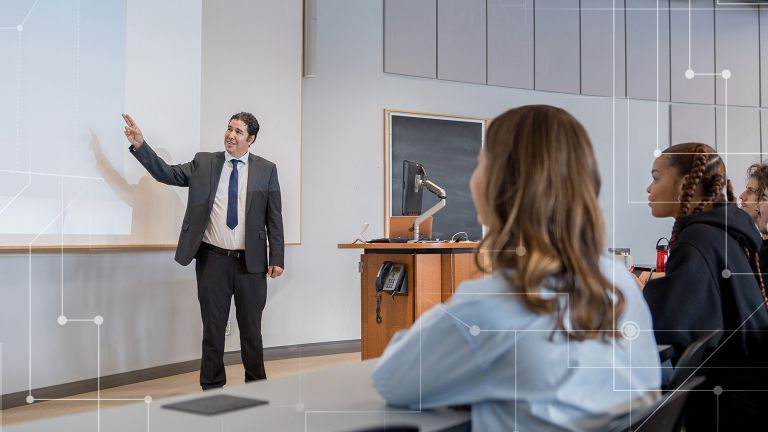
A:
x: 419, y: 245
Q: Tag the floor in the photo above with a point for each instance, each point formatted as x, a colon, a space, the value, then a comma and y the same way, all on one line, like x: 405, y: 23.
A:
x: 164, y: 387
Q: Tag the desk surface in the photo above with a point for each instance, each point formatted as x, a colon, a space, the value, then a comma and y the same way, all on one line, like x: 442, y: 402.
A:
x: 340, y: 398
x: 416, y: 245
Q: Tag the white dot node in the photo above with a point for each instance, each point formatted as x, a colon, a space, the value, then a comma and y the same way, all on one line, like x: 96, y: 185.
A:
x: 630, y: 330
x: 726, y: 274
x: 98, y: 320
x: 726, y: 73
x: 147, y: 399
x: 61, y: 320
x: 689, y: 74
x: 300, y: 407
x: 520, y: 250
x: 30, y: 399
x: 717, y: 390
x: 656, y: 153
x: 474, y: 330
x: 19, y: 27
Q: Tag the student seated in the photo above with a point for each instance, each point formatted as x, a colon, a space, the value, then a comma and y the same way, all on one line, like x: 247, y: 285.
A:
x: 558, y: 337
x: 754, y: 201
x: 712, y: 282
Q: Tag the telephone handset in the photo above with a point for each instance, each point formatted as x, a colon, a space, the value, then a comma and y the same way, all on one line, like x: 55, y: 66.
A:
x: 391, y: 279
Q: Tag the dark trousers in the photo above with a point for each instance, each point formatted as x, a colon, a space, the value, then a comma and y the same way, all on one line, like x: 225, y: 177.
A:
x: 219, y: 277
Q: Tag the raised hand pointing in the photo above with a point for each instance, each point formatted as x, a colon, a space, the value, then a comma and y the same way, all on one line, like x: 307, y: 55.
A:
x: 132, y: 132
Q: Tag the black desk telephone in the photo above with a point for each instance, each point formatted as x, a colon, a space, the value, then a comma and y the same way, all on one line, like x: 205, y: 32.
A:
x: 392, y: 279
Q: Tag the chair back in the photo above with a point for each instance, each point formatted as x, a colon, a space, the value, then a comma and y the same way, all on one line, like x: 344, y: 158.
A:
x: 665, y: 414
x: 691, y: 359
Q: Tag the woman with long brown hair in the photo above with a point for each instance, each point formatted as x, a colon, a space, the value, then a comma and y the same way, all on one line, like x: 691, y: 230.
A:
x: 558, y: 337
x: 712, y: 281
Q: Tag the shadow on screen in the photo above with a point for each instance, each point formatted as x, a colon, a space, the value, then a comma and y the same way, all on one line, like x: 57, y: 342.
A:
x: 157, y: 209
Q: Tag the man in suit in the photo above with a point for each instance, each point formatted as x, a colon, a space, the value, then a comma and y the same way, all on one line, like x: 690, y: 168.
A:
x: 233, y: 208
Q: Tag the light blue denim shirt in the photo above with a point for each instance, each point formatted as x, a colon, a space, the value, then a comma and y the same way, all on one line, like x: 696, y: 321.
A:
x: 485, y: 348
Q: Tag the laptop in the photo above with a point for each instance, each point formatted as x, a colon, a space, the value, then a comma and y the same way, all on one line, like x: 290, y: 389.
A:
x: 402, y: 227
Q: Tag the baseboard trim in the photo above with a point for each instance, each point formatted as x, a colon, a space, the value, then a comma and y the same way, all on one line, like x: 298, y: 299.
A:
x: 12, y: 400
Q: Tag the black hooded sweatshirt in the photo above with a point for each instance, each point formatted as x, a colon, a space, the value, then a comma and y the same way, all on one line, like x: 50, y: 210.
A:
x: 696, y: 295
x: 710, y: 284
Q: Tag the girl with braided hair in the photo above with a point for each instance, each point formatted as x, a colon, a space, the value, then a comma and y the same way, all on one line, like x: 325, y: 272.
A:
x: 712, y: 281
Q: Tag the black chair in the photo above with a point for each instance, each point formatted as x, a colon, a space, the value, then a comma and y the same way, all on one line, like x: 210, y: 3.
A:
x: 691, y: 359
x: 666, y: 414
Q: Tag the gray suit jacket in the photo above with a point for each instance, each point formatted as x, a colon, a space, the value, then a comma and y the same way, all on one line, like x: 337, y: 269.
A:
x: 263, y: 217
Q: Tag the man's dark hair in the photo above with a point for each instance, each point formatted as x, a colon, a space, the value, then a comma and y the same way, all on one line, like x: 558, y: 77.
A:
x: 250, y: 122
x: 759, y: 171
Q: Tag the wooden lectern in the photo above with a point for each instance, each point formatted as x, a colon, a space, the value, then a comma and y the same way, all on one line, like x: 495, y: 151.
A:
x: 434, y: 272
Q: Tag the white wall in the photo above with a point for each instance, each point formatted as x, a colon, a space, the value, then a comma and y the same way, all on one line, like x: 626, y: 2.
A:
x: 149, y: 302
x: 343, y: 120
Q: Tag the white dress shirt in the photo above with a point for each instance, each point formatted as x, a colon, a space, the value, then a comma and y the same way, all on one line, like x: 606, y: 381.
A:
x: 217, y: 232
x: 488, y: 349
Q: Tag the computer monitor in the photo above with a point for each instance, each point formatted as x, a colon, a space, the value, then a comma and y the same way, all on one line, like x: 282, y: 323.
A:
x: 413, y: 174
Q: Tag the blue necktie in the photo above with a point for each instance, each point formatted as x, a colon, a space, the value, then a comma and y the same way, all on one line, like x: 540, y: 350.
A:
x: 232, y: 202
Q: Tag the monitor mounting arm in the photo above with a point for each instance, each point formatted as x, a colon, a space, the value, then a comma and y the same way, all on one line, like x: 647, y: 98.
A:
x: 439, y: 192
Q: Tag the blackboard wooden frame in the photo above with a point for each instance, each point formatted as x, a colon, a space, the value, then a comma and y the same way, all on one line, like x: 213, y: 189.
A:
x: 391, y: 117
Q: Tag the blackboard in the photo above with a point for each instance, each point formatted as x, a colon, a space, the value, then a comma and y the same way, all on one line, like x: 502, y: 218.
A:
x: 447, y: 146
